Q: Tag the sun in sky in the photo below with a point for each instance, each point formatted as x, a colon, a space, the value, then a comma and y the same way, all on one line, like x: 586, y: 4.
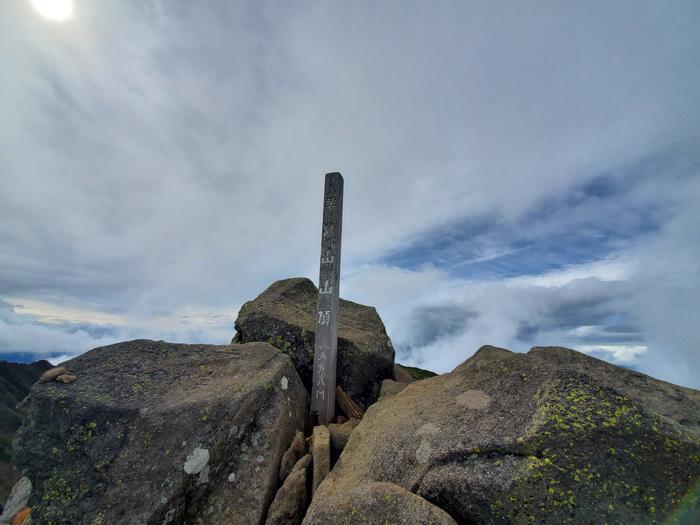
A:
x: 54, y: 10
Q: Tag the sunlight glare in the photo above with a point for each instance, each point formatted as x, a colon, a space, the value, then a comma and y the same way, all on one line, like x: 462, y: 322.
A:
x: 54, y: 10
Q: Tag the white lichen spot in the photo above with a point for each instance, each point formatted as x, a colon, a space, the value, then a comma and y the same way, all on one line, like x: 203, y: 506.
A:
x: 284, y: 382
x: 474, y: 399
x: 259, y: 459
x: 255, y: 439
x: 184, y: 443
x: 197, y: 461
x: 424, y: 451
x: 232, y: 477
x: 427, y: 429
x: 244, y: 447
x: 163, y: 500
x: 204, y: 475
x: 233, y: 431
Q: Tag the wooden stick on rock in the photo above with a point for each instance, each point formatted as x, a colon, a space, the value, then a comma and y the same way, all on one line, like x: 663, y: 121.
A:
x: 348, y: 405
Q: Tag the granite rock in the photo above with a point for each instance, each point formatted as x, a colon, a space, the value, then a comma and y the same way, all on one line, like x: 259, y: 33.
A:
x: 166, y: 433
x: 284, y: 315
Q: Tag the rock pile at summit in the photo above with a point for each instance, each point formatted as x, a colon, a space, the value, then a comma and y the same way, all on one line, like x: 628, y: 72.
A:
x: 151, y: 432
x: 552, y: 436
x: 284, y: 315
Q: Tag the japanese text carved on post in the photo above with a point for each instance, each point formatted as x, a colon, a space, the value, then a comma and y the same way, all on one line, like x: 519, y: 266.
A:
x: 326, y: 344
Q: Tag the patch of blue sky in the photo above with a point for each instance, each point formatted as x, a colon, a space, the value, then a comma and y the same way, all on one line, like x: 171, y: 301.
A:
x: 586, y: 224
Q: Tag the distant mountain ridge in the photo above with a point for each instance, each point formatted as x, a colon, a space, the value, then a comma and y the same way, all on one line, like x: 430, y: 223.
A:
x: 15, y: 381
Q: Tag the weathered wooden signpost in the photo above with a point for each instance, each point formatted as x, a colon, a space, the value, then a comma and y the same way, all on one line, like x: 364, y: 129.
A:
x: 326, y: 345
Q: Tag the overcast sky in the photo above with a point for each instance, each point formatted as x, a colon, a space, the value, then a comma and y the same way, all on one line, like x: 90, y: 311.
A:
x: 516, y: 173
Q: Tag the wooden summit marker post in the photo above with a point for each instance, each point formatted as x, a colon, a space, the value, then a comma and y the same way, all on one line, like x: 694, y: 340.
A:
x: 322, y: 408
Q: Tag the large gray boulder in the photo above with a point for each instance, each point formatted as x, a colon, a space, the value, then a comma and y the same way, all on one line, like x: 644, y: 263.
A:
x: 153, y: 432
x: 285, y: 316
x: 375, y: 504
x: 390, y: 388
x: 552, y: 436
x: 675, y: 402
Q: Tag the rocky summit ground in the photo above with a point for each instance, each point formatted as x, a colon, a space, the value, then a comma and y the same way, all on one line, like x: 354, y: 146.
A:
x: 552, y: 436
x: 148, y: 432
x: 153, y: 432
x: 284, y: 315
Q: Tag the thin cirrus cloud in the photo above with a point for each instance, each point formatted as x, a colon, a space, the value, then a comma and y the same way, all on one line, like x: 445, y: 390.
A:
x: 515, y: 175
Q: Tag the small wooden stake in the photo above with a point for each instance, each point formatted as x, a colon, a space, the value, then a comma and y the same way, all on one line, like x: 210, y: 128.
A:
x: 351, y: 409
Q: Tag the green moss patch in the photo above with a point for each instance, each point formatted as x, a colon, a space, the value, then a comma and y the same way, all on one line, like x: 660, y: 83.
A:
x: 598, y: 457
x: 418, y: 373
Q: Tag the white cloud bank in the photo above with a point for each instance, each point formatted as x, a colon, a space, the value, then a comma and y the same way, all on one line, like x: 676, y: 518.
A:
x: 159, y: 158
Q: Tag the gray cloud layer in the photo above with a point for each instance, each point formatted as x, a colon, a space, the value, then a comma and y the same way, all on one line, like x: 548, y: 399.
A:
x: 164, y: 159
